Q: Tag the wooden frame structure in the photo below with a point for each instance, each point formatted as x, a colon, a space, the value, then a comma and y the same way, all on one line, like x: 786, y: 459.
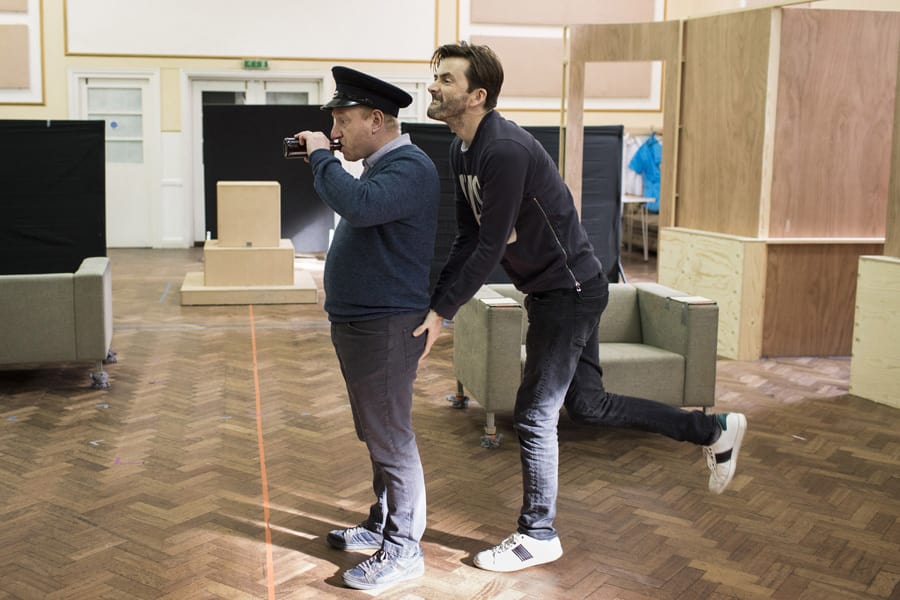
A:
x: 611, y: 43
x: 775, y: 171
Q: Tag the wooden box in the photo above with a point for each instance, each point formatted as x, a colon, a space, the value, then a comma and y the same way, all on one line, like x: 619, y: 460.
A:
x: 248, y: 266
x: 249, y: 214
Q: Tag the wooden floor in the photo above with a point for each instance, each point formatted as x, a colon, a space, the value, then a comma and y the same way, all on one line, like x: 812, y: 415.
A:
x: 223, y: 420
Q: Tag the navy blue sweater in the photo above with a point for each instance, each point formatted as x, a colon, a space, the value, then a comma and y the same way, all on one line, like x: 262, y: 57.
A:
x: 512, y: 208
x: 380, y: 256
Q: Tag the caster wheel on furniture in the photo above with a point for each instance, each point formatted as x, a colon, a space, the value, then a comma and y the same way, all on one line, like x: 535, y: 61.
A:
x: 100, y: 381
x: 457, y: 401
x: 491, y: 440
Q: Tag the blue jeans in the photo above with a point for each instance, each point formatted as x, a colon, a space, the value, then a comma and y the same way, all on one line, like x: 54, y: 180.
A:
x: 378, y: 360
x: 562, y: 367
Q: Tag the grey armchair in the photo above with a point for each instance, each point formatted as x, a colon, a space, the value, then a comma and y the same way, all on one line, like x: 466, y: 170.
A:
x: 59, y: 317
x: 655, y: 342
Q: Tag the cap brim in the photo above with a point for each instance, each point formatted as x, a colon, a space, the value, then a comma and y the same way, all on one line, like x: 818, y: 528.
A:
x: 338, y: 103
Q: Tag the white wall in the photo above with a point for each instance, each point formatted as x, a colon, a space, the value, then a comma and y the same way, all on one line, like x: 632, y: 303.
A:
x: 387, y: 30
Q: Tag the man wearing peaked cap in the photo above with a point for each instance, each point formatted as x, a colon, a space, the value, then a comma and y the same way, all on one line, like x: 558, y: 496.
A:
x: 355, y: 87
x: 376, y: 292
x: 359, y: 129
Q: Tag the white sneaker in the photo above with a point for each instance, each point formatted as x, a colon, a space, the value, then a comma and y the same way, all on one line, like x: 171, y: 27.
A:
x: 518, y: 551
x: 721, y: 455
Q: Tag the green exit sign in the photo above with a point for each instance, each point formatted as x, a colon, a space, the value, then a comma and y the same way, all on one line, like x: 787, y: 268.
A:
x: 256, y: 63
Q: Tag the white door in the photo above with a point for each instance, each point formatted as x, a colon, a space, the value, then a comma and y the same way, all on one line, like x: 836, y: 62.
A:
x: 237, y: 91
x: 131, y: 116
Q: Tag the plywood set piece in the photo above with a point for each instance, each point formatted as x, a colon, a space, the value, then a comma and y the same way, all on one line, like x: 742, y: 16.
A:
x: 778, y: 129
x: 785, y: 123
x: 836, y: 96
x: 248, y: 266
x: 777, y: 296
x: 249, y: 263
x: 723, y: 123
x: 728, y: 269
x: 625, y: 42
x: 810, y: 292
x: 892, y: 227
x: 302, y: 291
x: 875, y: 368
x: 249, y: 213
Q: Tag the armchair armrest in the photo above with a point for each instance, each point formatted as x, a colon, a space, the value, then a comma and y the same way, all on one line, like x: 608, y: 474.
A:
x: 487, y: 348
x: 93, y: 308
x: 686, y: 325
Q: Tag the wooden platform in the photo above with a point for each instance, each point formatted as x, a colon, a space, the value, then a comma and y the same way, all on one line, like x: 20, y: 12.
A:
x: 194, y: 292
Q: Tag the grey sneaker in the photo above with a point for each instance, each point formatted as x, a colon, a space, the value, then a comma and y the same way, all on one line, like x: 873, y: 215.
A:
x: 721, y: 455
x: 381, y: 571
x: 355, y: 538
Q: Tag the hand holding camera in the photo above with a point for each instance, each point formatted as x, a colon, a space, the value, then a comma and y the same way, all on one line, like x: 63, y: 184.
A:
x: 294, y: 148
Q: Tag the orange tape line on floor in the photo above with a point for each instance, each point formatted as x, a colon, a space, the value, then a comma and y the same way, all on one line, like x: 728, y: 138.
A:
x: 270, y: 568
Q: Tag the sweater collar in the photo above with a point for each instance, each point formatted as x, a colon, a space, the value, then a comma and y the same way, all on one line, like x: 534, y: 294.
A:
x: 395, y: 143
x: 491, y: 114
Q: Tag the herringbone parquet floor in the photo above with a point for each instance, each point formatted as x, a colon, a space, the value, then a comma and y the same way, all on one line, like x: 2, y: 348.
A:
x: 224, y: 451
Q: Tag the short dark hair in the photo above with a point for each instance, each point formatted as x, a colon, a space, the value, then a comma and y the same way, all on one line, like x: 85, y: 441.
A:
x: 485, y: 70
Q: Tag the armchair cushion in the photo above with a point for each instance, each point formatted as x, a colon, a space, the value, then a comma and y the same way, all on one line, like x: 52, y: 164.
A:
x: 621, y: 321
x: 626, y: 367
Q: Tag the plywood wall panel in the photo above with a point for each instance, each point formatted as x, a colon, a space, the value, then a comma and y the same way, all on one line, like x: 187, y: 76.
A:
x: 630, y: 41
x: 892, y: 228
x: 722, y: 133
x: 728, y: 269
x: 834, y: 123
x: 875, y: 368
x: 810, y: 298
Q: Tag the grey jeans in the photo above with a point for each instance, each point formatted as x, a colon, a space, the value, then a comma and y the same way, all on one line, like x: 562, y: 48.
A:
x: 562, y: 368
x: 378, y: 360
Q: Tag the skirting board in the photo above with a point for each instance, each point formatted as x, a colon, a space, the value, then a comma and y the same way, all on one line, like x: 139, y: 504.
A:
x: 193, y: 292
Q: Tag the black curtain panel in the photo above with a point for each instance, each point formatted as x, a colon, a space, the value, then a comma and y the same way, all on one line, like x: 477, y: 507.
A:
x: 53, y: 202
x: 601, y: 194
x: 244, y: 143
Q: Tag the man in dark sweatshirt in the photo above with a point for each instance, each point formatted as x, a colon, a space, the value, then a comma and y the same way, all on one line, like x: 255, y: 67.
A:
x: 513, y: 208
x: 376, y: 292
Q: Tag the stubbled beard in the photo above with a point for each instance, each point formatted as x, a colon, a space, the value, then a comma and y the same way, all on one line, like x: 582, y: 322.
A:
x: 434, y: 112
x: 441, y: 111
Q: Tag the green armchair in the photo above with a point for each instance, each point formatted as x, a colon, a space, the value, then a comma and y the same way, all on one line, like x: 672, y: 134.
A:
x: 655, y: 342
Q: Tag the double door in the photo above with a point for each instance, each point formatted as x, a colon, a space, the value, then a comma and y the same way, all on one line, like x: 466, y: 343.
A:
x: 238, y: 91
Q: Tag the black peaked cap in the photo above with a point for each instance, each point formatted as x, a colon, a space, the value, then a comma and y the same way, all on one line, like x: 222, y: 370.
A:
x: 354, y: 87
